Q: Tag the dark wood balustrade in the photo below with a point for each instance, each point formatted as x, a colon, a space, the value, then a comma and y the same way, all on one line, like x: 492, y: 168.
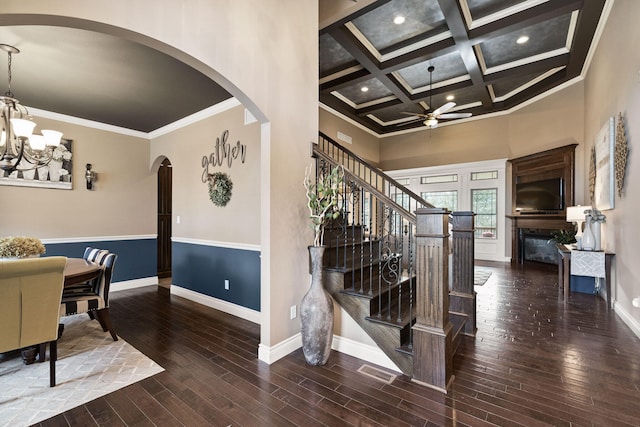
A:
x: 380, y: 271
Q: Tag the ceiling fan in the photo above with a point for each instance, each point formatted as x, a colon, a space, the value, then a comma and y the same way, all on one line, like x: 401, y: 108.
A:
x: 431, y: 119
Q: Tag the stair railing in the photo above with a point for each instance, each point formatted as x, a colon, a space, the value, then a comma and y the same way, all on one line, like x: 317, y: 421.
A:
x: 374, y: 238
x: 398, y: 258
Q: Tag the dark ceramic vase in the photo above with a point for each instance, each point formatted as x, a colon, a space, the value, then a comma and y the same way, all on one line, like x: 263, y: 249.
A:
x: 316, y: 314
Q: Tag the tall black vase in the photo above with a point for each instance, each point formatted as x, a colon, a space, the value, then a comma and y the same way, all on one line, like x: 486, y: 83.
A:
x: 316, y: 314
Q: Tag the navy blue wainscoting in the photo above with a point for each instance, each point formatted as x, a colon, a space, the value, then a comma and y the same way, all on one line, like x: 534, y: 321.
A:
x: 203, y: 269
x: 137, y: 258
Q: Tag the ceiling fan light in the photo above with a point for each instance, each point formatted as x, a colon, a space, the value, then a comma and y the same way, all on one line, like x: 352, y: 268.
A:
x: 431, y: 123
x: 52, y: 137
x: 22, y: 127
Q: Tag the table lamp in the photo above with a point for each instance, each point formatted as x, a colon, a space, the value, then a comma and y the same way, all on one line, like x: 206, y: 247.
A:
x: 576, y: 214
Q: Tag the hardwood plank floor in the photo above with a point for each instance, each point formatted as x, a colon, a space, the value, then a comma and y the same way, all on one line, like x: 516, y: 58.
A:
x: 534, y: 362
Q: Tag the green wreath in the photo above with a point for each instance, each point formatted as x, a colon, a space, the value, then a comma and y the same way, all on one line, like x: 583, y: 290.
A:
x: 220, y: 187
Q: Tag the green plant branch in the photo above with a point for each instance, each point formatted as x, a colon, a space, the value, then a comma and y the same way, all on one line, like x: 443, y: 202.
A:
x: 322, y: 200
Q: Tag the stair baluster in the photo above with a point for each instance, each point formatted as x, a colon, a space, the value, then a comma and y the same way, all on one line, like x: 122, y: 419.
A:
x: 395, y: 283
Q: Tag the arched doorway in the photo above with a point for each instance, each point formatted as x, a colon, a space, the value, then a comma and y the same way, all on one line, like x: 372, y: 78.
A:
x: 164, y: 220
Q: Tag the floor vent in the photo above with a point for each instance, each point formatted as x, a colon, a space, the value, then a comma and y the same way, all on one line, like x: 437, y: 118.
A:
x: 378, y: 374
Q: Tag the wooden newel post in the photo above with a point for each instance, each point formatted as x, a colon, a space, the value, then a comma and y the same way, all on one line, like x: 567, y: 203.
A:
x: 432, y: 346
x: 463, y: 296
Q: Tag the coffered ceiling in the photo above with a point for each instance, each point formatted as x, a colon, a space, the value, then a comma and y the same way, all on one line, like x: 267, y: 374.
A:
x: 471, y: 44
x: 374, y: 70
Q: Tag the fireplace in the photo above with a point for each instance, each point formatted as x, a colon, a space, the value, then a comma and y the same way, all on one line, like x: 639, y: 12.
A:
x: 536, y: 245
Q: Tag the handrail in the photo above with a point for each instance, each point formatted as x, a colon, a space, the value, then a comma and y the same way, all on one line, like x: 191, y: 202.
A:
x: 381, y: 196
x: 382, y: 182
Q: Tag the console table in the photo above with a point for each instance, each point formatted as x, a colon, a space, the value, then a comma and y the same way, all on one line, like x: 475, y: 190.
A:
x: 564, y: 272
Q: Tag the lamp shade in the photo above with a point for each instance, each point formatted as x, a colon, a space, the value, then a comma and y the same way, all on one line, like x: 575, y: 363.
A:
x: 52, y: 137
x: 37, y: 142
x: 22, y: 127
x: 576, y: 213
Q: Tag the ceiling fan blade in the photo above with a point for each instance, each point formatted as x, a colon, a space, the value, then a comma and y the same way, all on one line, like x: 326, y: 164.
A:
x: 414, y: 114
x: 408, y: 122
x: 454, y: 116
x: 446, y: 107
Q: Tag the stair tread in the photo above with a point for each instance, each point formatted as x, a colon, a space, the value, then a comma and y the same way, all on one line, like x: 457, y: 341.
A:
x: 457, y: 319
x: 406, y: 318
x: 377, y: 290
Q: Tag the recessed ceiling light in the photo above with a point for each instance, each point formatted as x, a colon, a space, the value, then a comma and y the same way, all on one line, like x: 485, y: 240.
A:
x: 364, y: 89
x: 399, y: 20
x: 522, y: 39
x: 450, y: 97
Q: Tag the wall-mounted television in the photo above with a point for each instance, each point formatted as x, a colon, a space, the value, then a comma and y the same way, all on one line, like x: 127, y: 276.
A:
x: 542, y: 195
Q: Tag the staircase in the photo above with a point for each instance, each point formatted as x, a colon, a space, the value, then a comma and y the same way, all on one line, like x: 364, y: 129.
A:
x: 388, y: 267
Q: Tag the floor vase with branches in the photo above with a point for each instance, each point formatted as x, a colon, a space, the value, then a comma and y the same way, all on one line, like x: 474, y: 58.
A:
x: 316, y: 307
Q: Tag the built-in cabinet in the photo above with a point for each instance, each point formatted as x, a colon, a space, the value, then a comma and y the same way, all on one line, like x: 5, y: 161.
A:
x: 532, y: 224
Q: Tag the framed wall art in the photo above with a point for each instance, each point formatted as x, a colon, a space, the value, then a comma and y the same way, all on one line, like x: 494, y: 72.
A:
x: 56, y: 174
x: 605, y: 180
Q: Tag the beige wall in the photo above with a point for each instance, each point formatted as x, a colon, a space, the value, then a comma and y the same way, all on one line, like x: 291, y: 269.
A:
x: 239, y: 221
x: 551, y: 122
x: 363, y: 143
x: 266, y: 54
x: 123, y: 200
x: 613, y: 86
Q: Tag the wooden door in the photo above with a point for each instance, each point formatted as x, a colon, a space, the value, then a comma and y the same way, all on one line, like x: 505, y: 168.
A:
x: 164, y: 219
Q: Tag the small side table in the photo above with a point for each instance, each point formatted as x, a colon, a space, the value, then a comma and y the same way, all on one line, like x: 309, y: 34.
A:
x: 564, y: 272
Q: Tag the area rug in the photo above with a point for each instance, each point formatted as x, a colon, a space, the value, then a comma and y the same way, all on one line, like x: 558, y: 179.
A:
x: 480, y: 277
x: 90, y: 364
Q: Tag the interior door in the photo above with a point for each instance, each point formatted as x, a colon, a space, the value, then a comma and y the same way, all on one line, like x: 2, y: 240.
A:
x: 164, y: 219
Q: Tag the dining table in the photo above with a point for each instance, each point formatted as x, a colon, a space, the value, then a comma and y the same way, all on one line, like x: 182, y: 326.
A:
x: 79, y: 270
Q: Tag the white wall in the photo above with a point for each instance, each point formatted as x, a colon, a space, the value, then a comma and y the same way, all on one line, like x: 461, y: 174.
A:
x: 489, y: 249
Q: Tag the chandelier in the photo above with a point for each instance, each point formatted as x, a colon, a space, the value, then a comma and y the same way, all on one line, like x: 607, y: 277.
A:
x: 20, y: 148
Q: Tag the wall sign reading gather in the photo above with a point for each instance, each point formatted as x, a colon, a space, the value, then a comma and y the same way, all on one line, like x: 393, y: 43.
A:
x: 223, y: 150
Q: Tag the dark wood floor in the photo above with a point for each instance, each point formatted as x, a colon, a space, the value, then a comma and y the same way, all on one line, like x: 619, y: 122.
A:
x: 534, y: 362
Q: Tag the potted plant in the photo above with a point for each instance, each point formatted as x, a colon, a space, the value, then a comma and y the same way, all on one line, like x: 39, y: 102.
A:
x: 20, y: 247
x: 564, y: 237
x: 316, y: 307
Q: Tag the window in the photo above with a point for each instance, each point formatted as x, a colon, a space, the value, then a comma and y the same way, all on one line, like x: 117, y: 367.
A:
x: 484, y: 203
x: 395, y: 220
x: 404, y: 181
x: 438, y: 179
x: 480, y: 176
x: 442, y: 199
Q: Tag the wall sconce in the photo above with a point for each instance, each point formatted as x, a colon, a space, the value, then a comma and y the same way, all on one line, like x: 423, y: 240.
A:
x: 90, y: 176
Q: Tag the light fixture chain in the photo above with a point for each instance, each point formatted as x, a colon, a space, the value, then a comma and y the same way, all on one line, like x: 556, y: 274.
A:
x: 9, y: 93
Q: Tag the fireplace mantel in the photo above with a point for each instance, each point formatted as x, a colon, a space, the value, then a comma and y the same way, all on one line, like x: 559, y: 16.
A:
x: 558, y: 162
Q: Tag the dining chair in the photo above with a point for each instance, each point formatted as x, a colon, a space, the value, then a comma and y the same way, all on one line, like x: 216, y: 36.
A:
x: 93, y: 297
x: 30, y: 293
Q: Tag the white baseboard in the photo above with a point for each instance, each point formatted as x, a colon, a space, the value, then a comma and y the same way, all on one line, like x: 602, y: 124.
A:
x: 132, y: 284
x: 348, y: 346
x: 218, y: 304
x: 627, y: 318
x: 369, y: 353
x: 272, y: 354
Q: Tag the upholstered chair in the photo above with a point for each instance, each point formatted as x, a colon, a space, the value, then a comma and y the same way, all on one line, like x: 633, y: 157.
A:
x: 30, y: 293
x: 93, y: 297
